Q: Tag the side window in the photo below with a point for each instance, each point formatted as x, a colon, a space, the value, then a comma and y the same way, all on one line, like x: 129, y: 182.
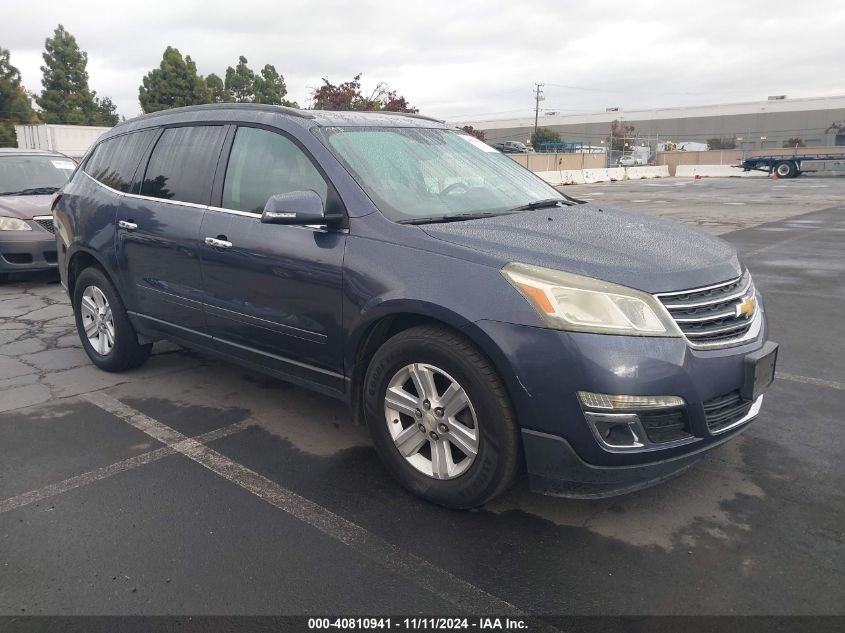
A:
x: 114, y: 161
x: 182, y: 164
x: 263, y: 163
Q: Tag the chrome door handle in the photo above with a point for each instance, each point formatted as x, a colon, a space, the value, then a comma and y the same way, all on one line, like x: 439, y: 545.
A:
x: 213, y: 241
x: 129, y: 226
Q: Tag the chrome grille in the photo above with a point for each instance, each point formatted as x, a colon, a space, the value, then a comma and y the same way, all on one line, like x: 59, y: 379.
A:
x: 725, y: 411
x: 708, y: 316
x: 45, y: 221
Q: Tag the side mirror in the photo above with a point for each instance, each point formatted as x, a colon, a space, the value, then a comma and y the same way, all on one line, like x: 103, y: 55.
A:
x: 296, y: 207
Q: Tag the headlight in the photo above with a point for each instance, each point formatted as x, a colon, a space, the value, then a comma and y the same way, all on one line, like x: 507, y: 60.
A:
x: 572, y: 302
x: 13, y: 224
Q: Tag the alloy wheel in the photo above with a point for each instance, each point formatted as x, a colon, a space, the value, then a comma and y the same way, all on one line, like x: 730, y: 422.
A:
x: 432, y: 421
x: 97, y: 320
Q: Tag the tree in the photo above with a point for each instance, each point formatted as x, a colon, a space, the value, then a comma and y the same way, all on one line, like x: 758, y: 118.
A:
x: 722, y: 142
x: 794, y: 142
x: 106, y: 112
x: 240, y: 82
x: 217, y: 89
x: 543, y: 135
x: 620, y: 135
x: 479, y: 134
x: 269, y: 87
x: 66, y: 97
x: 15, y: 102
x: 348, y: 96
x: 174, y: 84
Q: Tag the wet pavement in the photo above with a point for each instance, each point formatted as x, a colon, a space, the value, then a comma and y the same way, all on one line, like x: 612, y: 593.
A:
x: 191, y: 486
x: 719, y: 205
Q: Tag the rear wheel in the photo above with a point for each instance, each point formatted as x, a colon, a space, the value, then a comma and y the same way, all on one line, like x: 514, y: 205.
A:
x: 440, y: 418
x: 786, y: 169
x: 105, y: 331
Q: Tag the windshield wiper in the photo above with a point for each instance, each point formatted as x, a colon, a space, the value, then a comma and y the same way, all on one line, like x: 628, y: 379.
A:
x: 460, y: 217
x: 34, y: 191
x: 541, y: 204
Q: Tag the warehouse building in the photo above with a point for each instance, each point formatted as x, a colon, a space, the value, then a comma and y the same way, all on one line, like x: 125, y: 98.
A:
x: 752, y: 125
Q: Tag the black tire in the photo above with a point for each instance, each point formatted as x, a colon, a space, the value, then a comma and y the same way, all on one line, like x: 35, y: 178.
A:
x: 498, y: 456
x: 4, y: 278
x: 126, y: 353
x: 786, y: 169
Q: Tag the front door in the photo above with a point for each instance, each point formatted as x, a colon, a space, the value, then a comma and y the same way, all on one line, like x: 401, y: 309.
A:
x: 273, y: 293
x: 159, y: 228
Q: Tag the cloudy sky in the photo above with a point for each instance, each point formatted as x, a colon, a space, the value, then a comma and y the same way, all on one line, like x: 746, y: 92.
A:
x: 462, y: 59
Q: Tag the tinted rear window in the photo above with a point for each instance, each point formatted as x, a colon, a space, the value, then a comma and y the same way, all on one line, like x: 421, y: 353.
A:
x: 182, y: 164
x: 114, y: 161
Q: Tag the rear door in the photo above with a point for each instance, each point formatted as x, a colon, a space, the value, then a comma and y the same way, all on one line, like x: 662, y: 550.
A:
x: 273, y: 295
x: 159, y: 226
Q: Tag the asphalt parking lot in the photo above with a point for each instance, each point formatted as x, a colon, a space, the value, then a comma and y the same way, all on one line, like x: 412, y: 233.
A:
x: 191, y: 486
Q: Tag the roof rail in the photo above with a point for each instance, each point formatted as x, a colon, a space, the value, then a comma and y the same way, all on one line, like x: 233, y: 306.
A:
x: 408, y: 114
x: 229, y: 106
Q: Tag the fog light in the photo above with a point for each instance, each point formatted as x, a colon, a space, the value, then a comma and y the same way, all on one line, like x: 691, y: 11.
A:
x: 617, y: 431
x: 615, y: 402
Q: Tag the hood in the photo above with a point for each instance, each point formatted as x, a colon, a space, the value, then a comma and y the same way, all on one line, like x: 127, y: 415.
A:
x: 624, y: 247
x: 25, y: 207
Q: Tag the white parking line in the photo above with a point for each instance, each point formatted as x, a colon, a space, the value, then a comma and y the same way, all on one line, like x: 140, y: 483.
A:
x: 105, y: 472
x: 807, y: 380
x: 438, y: 581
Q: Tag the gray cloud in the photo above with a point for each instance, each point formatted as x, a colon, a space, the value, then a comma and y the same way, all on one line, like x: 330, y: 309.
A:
x: 463, y: 59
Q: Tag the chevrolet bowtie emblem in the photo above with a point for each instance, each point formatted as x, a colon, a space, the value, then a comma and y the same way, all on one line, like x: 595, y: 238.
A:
x: 747, y: 307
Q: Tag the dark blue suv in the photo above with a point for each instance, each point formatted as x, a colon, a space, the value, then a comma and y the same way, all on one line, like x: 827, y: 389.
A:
x: 480, y: 322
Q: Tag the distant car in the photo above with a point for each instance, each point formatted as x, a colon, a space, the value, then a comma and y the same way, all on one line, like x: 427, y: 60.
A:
x: 28, y: 180
x: 512, y: 147
x: 629, y: 161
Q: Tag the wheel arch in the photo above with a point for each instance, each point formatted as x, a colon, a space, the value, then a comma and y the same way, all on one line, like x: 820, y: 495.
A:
x: 79, y: 260
x: 393, y: 318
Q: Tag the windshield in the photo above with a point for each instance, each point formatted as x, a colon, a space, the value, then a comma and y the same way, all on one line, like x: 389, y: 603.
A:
x: 417, y: 174
x: 33, y: 175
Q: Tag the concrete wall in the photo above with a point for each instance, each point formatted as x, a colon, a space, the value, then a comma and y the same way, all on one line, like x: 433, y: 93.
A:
x: 557, y: 162
x: 589, y: 176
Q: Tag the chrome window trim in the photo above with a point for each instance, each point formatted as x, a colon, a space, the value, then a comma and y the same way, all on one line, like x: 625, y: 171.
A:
x: 137, y: 196
x: 248, y: 214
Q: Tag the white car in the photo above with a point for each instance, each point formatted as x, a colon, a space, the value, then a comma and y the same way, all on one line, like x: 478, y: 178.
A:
x: 629, y: 161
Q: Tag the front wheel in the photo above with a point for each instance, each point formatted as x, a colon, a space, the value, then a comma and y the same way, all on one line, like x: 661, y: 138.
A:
x: 105, y: 331
x: 440, y: 418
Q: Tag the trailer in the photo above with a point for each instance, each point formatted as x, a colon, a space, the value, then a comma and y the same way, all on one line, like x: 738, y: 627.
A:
x: 786, y: 166
x: 70, y: 140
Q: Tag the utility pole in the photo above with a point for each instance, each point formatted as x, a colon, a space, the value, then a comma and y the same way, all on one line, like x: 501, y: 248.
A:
x: 538, y: 97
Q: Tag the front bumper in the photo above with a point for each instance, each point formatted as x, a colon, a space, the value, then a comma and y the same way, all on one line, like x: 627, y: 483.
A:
x: 26, y: 251
x: 554, y: 468
x: 546, y: 368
